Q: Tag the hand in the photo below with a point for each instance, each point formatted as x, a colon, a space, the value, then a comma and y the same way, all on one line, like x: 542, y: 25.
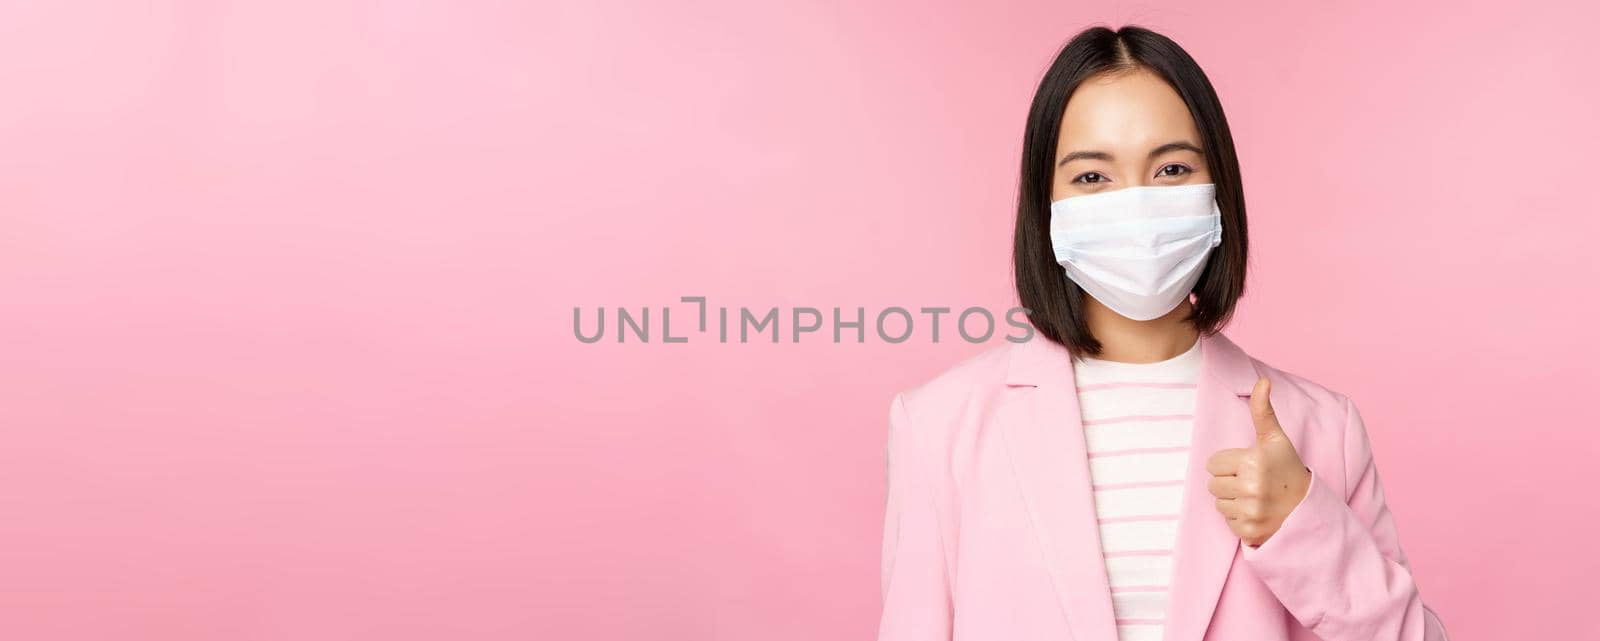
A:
x: 1257, y: 487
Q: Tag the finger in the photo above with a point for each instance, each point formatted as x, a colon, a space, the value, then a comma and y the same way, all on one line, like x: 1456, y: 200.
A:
x: 1249, y: 509
x: 1223, y: 487
x: 1261, y: 412
x: 1225, y: 462
x: 1228, y: 508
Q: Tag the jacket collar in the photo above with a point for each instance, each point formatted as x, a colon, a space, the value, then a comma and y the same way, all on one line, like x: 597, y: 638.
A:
x: 1044, y: 436
x: 1040, y: 361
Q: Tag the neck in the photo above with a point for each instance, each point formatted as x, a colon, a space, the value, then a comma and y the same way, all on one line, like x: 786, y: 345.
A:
x: 1126, y: 340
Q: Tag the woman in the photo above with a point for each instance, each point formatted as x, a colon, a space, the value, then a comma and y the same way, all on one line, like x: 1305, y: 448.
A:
x: 1131, y: 473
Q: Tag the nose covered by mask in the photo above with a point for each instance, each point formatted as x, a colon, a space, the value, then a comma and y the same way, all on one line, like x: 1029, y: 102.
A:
x: 1138, y: 250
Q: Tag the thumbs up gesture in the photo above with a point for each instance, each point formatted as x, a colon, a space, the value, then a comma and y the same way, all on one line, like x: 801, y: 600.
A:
x: 1256, y: 487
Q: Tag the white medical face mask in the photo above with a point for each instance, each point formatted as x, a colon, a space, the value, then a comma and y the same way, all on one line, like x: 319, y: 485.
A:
x: 1138, y: 250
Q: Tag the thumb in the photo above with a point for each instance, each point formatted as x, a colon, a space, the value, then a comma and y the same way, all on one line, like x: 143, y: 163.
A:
x: 1261, y: 410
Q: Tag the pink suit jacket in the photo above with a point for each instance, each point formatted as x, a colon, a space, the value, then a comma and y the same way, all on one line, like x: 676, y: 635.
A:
x: 990, y: 532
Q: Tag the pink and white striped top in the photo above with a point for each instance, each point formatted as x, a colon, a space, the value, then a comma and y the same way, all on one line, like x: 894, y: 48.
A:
x: 1137, y: 418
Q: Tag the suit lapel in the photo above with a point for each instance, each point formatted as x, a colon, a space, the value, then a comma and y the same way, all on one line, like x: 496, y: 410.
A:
x: 1044, y: 435
x: 1206, y: 547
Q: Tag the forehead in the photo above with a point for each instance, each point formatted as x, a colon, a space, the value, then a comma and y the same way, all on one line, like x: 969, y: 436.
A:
x: 1134, y: 110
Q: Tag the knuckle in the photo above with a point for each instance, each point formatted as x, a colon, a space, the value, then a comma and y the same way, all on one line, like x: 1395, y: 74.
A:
x: 1252, y: 509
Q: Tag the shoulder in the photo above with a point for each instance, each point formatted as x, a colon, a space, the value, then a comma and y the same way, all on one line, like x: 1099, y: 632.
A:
x: 961, y: 392
x: 1323, y: 423
x: 969, y: 380
x: 1292, y: 388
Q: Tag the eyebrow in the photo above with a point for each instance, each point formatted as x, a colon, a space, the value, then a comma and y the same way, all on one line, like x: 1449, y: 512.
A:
x: 1101, y: 155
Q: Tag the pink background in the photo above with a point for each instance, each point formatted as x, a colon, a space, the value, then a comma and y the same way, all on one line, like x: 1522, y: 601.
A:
x: 287, y: 297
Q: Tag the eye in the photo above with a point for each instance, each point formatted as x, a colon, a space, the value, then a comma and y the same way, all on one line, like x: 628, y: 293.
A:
x: 1090, y: 178
x: 1172, y: 170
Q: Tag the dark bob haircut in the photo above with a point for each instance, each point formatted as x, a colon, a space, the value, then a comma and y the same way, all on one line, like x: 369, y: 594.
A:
x: 1055, y: 303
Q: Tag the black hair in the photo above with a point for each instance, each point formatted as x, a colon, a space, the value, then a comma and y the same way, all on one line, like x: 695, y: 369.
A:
x: 1055, y: 303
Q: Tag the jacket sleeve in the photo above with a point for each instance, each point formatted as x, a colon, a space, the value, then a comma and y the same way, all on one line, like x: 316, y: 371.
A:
x: 1336, y: 562
x: 915, y: 574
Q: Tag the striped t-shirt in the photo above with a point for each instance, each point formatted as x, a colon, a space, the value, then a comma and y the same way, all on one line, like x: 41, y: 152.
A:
x: 1137, y: 418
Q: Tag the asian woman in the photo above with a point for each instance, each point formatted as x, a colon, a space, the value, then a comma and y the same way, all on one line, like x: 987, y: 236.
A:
x: 1131, y: 473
